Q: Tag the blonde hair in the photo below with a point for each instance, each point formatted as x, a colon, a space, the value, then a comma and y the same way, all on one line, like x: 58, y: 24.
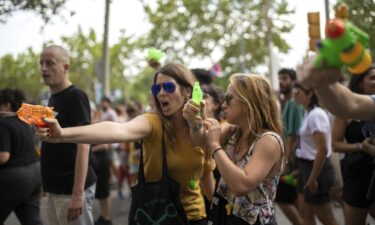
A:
x: 260, y: 106
x: 185, y: 79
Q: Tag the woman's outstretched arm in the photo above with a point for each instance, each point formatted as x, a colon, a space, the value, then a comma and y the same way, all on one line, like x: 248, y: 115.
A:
x: 99, y: 133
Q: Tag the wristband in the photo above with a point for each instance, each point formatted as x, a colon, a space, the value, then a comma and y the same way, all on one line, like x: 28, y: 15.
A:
x: 214, y: 151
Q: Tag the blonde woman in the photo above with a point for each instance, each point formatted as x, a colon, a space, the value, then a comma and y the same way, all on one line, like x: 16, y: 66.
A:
x: 248, y: 151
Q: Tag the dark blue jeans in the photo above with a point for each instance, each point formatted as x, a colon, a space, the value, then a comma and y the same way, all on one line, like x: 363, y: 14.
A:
x: 20, y: 192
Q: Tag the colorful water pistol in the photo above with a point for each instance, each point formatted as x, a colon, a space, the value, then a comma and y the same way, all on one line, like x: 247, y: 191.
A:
x: 345, y: 46
x: 33, y: 114
x: 155, y: 54
x: 289, y: 179
x: 193, y: 184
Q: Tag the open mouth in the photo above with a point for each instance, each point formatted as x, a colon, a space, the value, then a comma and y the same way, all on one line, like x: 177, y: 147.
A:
x: 164, y: 104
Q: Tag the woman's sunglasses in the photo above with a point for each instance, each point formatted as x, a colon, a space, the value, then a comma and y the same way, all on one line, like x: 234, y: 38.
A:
x: 169, y: 87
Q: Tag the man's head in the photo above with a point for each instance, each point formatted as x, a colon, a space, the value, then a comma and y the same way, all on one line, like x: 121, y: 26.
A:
x: 54, y: 66
x: 105, y: 103
x: 287, y: 78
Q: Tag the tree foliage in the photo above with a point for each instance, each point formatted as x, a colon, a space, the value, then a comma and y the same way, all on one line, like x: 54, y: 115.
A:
x: 362, y: 14
x: 237, y: 28
x: 45, y: 8
x: 23, y: 71
x: 184, y: 29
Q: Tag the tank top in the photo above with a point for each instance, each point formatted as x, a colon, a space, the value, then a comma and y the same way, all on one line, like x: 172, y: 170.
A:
x: 258, y: 202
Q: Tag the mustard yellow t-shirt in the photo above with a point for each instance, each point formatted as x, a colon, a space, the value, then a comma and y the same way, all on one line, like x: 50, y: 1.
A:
x: 184, y: 162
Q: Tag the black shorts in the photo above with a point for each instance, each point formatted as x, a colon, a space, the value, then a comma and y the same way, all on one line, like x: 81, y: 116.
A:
x: 325, y: 181
x: 286, y: 193
x: 357, y: 173
x: 371, y: 190
x: 100, y: 162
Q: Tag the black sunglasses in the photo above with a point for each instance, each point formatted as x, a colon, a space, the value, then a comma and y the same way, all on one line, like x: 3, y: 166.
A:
x: 169, y: 87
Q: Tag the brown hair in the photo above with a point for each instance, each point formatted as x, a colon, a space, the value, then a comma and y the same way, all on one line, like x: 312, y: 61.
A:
x: 185, y: 79
x: 260, y: 106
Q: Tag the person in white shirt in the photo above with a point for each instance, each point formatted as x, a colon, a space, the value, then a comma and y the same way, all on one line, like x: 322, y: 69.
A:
x: 316, y: 173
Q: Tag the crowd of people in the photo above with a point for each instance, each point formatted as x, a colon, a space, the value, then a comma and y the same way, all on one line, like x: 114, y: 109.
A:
x: 228, y: 159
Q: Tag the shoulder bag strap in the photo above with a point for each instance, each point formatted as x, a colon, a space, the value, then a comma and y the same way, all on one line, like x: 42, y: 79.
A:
x: 141, y: 173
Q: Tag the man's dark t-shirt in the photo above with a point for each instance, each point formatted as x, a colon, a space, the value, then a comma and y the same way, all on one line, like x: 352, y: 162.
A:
x: 58, y: 160
x: 16, y: 137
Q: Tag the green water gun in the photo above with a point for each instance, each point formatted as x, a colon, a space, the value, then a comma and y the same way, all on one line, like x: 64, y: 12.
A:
x: 345, y: 46
x: 289, y: 179
x: 197, y: 94
x: 155, y: 54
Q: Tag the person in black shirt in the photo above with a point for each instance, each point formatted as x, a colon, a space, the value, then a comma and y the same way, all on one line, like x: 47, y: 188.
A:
x: 20, y: 180
x: 67, y: 176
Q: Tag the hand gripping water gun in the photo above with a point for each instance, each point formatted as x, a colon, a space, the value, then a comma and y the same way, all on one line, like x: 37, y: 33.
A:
x: 345, y: 45
x: 197, y: 94
x: 33, y: 114
x: 289, y: 179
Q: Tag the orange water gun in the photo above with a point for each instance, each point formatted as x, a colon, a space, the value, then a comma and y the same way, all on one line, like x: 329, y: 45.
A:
x: 33, y: 114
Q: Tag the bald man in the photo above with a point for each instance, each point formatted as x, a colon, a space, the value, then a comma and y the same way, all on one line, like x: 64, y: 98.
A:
x: 67, y: 175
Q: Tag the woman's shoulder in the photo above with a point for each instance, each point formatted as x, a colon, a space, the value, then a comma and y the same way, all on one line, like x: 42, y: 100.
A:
x: 155, y: 124
x: 152, y: 117
x: 319, y: 110
x: 270, y: 143
x: 272, y: 136
x: 318, y: 113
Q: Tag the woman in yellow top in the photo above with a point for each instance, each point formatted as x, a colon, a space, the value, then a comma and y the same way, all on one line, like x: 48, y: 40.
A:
x: 187, y: 163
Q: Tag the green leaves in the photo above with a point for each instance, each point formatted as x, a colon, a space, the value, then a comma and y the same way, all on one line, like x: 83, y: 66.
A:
x: 362, y: 14
x: 22, y: 71
x: 45, y: 8
x: 187, y: 29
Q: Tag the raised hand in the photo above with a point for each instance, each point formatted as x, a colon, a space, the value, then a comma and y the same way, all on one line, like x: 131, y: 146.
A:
x: 193, y: 113
x: 311, y: 78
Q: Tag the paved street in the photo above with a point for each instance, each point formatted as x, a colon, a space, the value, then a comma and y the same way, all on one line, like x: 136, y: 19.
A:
x: 120, y: 209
